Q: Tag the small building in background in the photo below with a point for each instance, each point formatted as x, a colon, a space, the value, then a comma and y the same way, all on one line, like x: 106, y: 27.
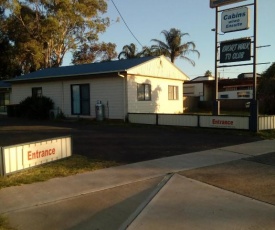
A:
x: 233, y: 93
x: 198, y: 93
x: 237, y: 88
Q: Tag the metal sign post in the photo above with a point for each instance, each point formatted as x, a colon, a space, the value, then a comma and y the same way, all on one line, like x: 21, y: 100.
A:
x: 254, y: 108
x: 216, y: 103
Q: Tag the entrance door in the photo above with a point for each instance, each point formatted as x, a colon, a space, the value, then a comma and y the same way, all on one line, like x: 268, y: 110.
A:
x: 80, y: 95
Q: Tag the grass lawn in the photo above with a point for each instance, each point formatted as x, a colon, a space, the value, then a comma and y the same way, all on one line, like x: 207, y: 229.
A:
x: 62, y: 168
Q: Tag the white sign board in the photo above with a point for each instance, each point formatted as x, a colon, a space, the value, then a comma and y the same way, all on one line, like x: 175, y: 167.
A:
x: 27, y: 155
x: 224, y: 122
x: 235, y: 19
x: 217, y: 3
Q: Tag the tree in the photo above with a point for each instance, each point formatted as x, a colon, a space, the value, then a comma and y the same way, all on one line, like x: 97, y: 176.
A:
x: 101, y: 52
x: 130, y: 51
x: 45, y: 30
x: 8, y: 65
x: 173, y: 46
x: 266, y: 90
x: 208, y: 73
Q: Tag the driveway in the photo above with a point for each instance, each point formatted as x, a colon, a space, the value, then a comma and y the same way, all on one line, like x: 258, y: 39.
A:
x: 120, y: 142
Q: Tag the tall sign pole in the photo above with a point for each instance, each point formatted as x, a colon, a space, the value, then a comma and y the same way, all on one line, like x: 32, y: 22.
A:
x: 216, y: 104
x: 254, y: 110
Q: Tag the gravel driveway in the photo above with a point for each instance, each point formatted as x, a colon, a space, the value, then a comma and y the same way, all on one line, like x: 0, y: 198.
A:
x: 120, y: 142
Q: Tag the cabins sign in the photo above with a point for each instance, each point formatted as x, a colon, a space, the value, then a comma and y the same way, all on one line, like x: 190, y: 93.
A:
x: 235, y: 19
x: 235, y: 50
x: 217, y: 3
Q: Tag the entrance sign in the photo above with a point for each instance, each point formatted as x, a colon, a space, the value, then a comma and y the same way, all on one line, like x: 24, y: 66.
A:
x: 235, y: 50
x: 235, y: 19
x: 224, y: 122
x: 217, y: 3
x: 23, y: 156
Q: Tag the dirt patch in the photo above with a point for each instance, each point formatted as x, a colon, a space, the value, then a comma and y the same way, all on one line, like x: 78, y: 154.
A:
x: 245, y: 177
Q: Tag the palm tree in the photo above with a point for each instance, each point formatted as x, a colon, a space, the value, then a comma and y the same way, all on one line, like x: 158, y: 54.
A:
x: 173, y: 47
x: 129, y: 51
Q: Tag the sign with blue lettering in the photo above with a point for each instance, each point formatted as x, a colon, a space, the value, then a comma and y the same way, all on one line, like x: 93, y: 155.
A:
x: 235, y: 19
x: 217, y: 3
x: 235, y: 50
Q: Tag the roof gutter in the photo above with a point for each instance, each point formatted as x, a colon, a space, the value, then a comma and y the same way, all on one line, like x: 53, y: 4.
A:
x: 60, y: 76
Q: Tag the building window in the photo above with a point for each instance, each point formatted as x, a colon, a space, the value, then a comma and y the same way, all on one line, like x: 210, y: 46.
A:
x: 4, y: 101
x: 173, y: 92
x: 224, y: 96
x: 80, y: 96
x: 37, y: 92
x: 245, y: 94
x: 144, y: 92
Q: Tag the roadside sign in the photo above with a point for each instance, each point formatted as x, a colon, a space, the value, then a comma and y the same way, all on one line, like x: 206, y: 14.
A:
x: 235, y: 50
x: 235, y: 19
x: 217, y: 3
x: 22, y: 156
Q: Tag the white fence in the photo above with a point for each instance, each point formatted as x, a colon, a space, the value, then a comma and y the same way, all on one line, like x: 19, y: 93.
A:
x: 266, y: 122
x: 22, y: 156
x: 206, y: 121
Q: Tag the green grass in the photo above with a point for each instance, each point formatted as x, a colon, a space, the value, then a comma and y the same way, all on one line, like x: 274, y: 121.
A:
x: 267, y: 134
x: 62, y: 168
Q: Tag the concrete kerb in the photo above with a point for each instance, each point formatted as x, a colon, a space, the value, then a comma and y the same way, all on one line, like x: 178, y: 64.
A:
x: 196, y: 205
x: 253, y: 148
x: 141, y: 207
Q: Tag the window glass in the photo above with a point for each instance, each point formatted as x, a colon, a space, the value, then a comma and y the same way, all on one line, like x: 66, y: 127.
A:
x: 173, y: 92
x: 37, y: 92
x: 76, y: 99
x: 80, y: 99
x: 144, y: 92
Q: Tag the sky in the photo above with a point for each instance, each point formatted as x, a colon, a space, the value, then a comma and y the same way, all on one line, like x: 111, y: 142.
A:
x: 147, y: 18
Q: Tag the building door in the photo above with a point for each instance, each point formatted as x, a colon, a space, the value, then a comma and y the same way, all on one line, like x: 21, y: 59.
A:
x: 80, y: 95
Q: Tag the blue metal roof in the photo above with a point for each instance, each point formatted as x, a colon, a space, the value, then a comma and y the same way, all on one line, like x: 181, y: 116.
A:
x: 86, y: 69
x: 4, y: 84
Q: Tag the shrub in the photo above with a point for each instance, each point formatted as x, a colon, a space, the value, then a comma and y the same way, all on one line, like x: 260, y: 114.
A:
x: 266, y: 91
x: 36, y: 107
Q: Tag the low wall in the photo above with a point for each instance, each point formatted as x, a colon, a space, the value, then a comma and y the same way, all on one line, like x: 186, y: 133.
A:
x: 206, y: 121
x: 266, y: 122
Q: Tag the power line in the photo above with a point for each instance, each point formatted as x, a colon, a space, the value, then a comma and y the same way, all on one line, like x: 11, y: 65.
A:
x: 126, y: 24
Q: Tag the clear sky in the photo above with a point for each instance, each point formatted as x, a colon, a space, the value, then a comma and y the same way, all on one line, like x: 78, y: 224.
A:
x: 147, y: 18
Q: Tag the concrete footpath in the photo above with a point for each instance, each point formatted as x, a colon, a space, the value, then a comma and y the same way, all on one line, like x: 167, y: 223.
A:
x: 145, y: 195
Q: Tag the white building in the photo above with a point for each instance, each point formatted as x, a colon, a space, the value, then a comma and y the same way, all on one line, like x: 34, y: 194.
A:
x: 142, y: 85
